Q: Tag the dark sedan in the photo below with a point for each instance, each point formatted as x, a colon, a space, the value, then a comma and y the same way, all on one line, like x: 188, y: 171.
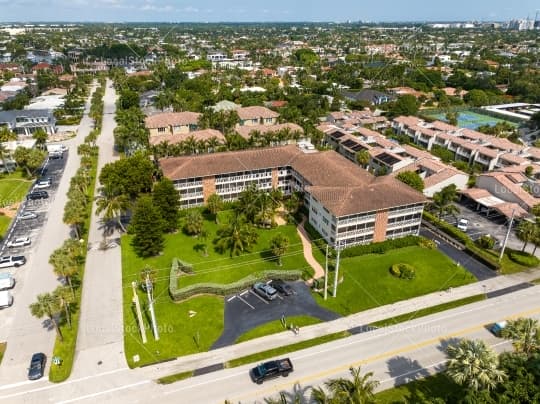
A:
x: 37, y: 366
x: 282, y: 287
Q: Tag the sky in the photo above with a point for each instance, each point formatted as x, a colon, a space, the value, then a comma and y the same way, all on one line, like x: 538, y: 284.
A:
x: 267, y: 10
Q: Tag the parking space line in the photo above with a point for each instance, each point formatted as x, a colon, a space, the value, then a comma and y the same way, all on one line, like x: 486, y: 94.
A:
x: 230, y: 299
x: 258, y: 297
x: 244, y: 292
x: 279, y: 297
x: 246, y: 302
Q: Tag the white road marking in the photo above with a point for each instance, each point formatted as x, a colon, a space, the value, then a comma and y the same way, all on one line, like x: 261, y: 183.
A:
x: 258, y: 297
x: 104, y: 392
x: 230, y: 299
x: 246, y: 302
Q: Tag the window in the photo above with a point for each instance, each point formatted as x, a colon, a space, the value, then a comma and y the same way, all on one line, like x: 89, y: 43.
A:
x: 161, y: 130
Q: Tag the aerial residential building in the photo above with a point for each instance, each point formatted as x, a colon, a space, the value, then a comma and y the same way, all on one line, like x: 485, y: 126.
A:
x: 346, y: 204
x: 26, y: 122
x: 251, y: 116
x: 172, y: 123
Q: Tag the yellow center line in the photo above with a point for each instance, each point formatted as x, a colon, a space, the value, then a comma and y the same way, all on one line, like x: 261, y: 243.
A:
x: 385, y: 355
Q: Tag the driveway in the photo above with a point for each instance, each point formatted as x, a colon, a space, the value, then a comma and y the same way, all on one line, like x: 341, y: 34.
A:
x: 475, y: 267
x: 246, y: 311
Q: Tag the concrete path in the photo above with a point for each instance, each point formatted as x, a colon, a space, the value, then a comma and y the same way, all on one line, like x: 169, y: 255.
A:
x: 308, y: 253
x: 100, y: 342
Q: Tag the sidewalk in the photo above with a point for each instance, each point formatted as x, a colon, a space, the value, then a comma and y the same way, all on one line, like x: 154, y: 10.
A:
x: 308, y: 253
x: 221, y: 355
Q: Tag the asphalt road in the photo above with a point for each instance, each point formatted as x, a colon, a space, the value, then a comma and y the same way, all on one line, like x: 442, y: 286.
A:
x: 395, y: 354
x: 26, y: 334
x: 475, y: 267
x: 247, y: 310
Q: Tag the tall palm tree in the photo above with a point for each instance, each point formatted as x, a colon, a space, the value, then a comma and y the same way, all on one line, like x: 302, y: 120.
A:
x: 236, y: 237
x: 526, y: 232
x: 66, y: 299
x: 64, y: 265
x: 194, y: 223
x: 279, y: 245
x: 320, y: 396
x: 47, y: 305
x: 443, y: 201
x: 212, y: 144
x: 474, y: 365
x: 112, y: 205
x: 524, y: 334
x: 3, y: 153
x: 190, y: 145
x: 359, y: 390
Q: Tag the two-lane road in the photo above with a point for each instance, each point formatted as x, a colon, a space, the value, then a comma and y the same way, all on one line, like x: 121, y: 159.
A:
x: 395, y: 354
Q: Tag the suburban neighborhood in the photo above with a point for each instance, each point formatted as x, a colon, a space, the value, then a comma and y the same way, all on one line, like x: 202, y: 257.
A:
x: 341, y: 212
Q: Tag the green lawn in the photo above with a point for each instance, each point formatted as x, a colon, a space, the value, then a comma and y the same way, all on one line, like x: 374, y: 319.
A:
x: 274, y: 327
x: 179, y: 330
x: 4, y: 225
x: 216, y: 267
x: 424, y: 390
x: 13, y: 188
x: 367, y: 281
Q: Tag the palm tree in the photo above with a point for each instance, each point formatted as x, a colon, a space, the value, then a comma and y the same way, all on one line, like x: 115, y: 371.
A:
x: 212, y: 144
x: 443, y: 201
x: 66, y: 298
x: 190, y: 145
x: 214, y: 204
x: 48, y: 305
x: 524, y: 334
x: 319, y: 396
x: 40, y: 136
x: 65, y: 265
x: 359, y: 390
x: 526, y: 232
x: 3, y: 153
x: 194, y: 222
x: 236, y: 237
x: 473, y: 365
x: 279, y: 245
x: 363, y: 158
x: 112, y: 205
x: 6, y: 134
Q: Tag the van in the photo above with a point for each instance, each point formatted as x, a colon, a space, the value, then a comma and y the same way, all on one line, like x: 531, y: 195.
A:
x: 6, y: 281
x: 6, y: 300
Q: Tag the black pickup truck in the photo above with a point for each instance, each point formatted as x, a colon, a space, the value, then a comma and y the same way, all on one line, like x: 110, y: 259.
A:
x: 271, y: 369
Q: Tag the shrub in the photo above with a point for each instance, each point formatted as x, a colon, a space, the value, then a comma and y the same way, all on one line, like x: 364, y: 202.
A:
x: 403, y: 271
x: 427, y: 243
x: 523, y: 258
x: 382, y: 247
x: 486, y: 242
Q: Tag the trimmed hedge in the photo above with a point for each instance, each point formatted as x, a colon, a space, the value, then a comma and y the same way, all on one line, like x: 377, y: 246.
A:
x: 470, y: 247
x: 523, y: 258
x: 178, y: 294
x: 383, y: 247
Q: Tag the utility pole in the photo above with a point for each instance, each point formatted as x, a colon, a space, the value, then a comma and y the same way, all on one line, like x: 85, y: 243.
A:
x: 507, y: 235
x: 149, y: 292
x: 336, y: 275
x: 326, y: 274
x: 138, y: 310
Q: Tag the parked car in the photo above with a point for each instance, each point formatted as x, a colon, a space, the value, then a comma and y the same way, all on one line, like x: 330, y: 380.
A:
x: 463, y: 224
x: 6, y: 299
x: 6, y: 281
x: 37, y: 366
x: 282, y: 287
x: 37, y: 195
x: 497, y: 328
x: 56, y: 155
x: 19, y: 242
x: 264, y: 290
x: 271, y: 369
x: 12, y: 261
x: 43, y: 183
x: 27, y: 216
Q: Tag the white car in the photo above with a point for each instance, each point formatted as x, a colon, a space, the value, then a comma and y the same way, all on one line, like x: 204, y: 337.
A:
x: 463, y: 224
x: 12, y: 261
x: 19, y: 242
x: 27, y: 216
x: 42, y: 184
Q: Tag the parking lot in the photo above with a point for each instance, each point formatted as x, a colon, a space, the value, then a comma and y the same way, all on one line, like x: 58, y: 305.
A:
x: 31, y: 228
x: 495, y: 225
x: 247, y: 310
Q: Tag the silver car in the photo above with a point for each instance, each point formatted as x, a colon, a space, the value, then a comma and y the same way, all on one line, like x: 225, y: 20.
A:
x: 264, y: 290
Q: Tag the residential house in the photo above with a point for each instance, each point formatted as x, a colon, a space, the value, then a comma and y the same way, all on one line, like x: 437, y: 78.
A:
x: 26, y: 122
x: 172, y: 123
x: 251, y: 116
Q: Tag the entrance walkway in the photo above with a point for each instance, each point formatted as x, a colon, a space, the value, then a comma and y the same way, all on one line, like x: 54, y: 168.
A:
x: 308, y: 253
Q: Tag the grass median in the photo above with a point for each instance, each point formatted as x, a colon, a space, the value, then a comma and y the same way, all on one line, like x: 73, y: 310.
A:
x: 3, y: 346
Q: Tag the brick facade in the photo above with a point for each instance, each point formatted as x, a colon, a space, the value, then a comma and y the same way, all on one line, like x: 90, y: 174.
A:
x: 209, y: 187
x: 381, y: 223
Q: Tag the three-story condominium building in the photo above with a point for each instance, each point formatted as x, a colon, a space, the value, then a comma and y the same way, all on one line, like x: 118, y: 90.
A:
x: 347, y: 205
